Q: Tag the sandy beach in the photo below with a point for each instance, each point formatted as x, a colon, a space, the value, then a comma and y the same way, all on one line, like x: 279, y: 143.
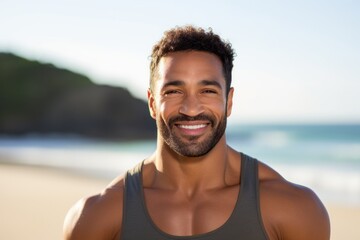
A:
x: 34, y: 202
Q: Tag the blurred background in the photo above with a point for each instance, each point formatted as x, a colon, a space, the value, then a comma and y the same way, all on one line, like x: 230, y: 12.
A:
x: 73, y: 111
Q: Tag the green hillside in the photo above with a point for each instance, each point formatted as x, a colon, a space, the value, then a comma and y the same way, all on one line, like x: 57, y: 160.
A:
x: 43, y: 99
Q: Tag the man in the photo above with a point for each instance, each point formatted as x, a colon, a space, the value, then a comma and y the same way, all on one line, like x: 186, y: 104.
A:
x: 195, y: 186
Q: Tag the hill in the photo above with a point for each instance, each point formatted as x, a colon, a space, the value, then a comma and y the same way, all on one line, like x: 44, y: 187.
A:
x: 39, y: 98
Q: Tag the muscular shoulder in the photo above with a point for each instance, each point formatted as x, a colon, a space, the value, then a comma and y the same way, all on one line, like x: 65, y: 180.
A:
x: 291, y: 211
x: 98, y: 216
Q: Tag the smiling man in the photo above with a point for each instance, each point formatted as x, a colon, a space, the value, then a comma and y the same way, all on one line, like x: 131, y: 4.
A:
x: 195, y: 186
x: 193, y: 102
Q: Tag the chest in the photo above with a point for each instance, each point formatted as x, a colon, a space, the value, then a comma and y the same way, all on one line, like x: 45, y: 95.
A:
x: 176, y: 214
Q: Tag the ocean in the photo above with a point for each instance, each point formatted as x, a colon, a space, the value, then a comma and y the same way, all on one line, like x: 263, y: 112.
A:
x: 325, y: 158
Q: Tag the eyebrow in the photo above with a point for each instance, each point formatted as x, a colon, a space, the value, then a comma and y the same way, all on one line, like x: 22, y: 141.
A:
x: 211, y: 83
x: 177, y: 83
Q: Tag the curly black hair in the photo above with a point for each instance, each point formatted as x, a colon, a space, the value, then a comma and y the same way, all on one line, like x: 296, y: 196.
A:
x: 189, y: 38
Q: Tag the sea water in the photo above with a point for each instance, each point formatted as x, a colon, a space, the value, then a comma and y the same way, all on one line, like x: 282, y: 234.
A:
x: 325, y: 158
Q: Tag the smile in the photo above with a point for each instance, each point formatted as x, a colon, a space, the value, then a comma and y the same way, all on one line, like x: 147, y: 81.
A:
x: 192, y: 127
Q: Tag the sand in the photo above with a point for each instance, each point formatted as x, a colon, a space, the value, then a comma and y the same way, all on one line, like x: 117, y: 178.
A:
x: 34, y: 202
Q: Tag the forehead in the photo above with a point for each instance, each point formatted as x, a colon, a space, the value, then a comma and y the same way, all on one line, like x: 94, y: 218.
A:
x: 190, y: 64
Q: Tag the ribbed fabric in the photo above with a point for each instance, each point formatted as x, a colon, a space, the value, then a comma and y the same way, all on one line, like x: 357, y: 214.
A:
x: 244, y: 223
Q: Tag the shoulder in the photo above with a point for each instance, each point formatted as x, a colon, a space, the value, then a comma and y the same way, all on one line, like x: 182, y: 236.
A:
x: 98, y: 216
x: 291, y: 211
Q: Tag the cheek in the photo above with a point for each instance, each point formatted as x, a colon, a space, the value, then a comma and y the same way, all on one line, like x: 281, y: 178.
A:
x: 218, y: 108
x: 166, y: 110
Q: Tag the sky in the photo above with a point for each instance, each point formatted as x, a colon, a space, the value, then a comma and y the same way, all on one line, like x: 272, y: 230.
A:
x: 297, y: 61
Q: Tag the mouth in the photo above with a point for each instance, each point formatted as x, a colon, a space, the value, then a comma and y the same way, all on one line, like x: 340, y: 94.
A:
x: 192, y: 129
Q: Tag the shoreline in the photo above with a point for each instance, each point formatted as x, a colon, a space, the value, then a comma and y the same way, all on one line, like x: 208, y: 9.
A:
x: 36, y: 199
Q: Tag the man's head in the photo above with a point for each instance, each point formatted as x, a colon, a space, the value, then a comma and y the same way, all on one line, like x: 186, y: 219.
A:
x: 189, y: 38
x: 190, y: 95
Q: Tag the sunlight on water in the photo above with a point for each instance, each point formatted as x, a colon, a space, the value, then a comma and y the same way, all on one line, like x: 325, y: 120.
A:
x: 275, y: 139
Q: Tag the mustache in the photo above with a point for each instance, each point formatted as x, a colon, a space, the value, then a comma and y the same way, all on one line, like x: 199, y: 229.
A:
x: 200, y: 117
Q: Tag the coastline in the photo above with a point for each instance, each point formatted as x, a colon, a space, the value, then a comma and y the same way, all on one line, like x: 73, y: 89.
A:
x: 36, y: 199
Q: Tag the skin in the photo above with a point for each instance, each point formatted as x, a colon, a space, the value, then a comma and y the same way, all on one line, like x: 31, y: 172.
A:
x: 190, y: 191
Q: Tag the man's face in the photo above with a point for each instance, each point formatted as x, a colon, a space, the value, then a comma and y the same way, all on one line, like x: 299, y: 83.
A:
x: 189, y: 102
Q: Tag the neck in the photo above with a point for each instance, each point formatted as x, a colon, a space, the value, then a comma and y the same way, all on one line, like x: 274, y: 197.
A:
x: 191, y: 174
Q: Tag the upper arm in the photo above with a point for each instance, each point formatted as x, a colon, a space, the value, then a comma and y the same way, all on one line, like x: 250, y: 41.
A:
x: 294, y: 213
x: 307, y: 218
x: 290, y: 211
x: 96, y: 217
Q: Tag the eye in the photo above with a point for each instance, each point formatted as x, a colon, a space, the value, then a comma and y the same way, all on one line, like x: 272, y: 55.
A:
x: 209, y: 91
x: 171, y: 92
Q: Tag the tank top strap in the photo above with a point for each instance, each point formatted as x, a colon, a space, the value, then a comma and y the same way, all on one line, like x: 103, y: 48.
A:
x: 249, y: 180
x: 135, y: 222
x: 246, y: 217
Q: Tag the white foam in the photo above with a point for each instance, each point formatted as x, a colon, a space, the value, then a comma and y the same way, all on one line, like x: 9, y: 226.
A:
x: 273, y: 138
x: 99, y: 162
x: 330, y: 183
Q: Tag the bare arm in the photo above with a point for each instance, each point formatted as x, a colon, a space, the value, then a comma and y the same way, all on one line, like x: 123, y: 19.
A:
x: 307, y: 218
x: 96, y: 217
x: 290, y: 211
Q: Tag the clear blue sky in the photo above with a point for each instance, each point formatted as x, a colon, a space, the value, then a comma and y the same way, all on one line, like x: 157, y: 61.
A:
x: 297, y: 61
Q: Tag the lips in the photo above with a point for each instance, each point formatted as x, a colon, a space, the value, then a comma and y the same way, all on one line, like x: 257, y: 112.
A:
x: 192, y: 127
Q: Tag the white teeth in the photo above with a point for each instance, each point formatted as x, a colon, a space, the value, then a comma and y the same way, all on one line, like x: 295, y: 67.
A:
x: 192, y: 127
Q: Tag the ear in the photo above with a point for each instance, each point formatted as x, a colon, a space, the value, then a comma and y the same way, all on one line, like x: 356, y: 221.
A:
x: 151, y: 104
x: 230, y: 101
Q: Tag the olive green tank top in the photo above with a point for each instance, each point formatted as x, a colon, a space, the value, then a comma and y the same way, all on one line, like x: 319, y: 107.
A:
x: 244, y: 223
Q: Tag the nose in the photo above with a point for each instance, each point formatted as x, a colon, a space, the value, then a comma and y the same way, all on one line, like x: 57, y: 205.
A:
x: 191, y: 106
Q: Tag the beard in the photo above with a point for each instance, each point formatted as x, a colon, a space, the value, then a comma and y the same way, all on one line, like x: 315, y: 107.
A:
x: 191, y: 146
